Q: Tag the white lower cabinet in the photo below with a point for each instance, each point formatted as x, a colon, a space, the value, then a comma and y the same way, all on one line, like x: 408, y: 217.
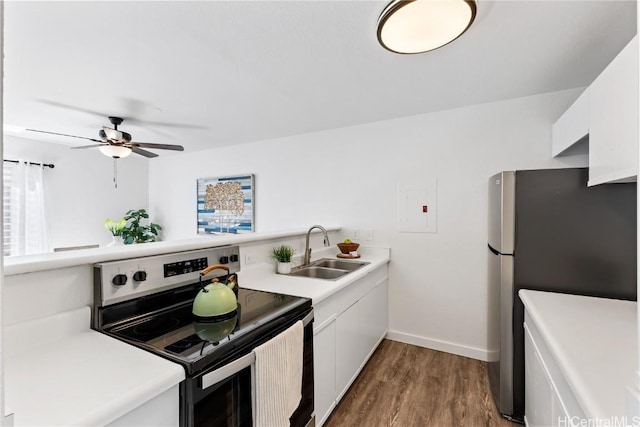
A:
x: 350, y: 325
x: 162, y: 410
x: 375, y: 315
x: 539, y: 392
x: 549, y: 400
x: 349, y: 347
x: 324, y: 361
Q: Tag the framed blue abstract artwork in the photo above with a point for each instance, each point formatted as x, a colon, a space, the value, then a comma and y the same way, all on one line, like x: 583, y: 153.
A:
x: 225, y: 205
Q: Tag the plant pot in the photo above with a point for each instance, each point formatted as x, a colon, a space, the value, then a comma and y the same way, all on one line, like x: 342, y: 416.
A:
x: 117, y: 241
x: 284, y: 267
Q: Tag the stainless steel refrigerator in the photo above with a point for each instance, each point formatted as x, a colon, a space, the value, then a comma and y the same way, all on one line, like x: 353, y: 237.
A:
x: 548, y: 231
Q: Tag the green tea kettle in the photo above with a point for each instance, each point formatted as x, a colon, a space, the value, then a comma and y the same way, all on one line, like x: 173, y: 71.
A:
x: 215, y: 299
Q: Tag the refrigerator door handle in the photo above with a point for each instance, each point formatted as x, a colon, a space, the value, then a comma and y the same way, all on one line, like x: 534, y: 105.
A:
x: 495, y: 252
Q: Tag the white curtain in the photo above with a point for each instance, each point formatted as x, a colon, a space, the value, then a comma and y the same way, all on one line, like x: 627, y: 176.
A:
x: 29, y: 225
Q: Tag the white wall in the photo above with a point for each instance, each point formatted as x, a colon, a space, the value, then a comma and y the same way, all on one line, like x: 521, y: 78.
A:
x: 438, y: 286
x: 80, y: 192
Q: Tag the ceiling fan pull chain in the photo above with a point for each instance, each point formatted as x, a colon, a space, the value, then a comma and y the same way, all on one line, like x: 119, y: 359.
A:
x: 115, y: 172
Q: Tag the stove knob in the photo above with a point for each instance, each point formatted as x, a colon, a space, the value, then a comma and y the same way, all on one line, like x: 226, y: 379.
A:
x: 119, y: 279
x: 224, y: 260
x: 140, y: 276
x: 234, y: 258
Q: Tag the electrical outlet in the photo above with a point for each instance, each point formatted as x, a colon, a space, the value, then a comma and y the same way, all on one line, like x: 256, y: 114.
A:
x: 250, y: 259
x: 356, y: 234
x: 368, y: 234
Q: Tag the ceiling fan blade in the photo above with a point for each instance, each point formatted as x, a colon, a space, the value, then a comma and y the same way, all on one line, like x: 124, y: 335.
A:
x: 132, y: 107
x: 71, y: 107
x: 90, y: 146
x: 143, y: 152
x: 63, y: 134
x: 157, y: 146
x: 165, y: 124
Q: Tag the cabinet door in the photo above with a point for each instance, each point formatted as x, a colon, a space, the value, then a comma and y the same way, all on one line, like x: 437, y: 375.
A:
x: 349, y: 345
x: 324, y: 371
x: 613, y: 119
x: 571, y: 127
x: 539, y: 393
x: 374, y: 321
x: 538, y: 409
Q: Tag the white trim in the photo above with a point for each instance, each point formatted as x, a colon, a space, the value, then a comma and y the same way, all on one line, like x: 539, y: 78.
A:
x: 448, y: 347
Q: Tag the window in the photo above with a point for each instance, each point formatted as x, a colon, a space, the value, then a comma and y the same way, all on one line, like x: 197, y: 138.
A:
x: 24, y: 219
x: 7, y: 173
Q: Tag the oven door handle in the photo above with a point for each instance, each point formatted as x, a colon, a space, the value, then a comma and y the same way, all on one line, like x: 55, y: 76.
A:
x: 232, y: 368
x: 308, y: 318
x: 238, y: 365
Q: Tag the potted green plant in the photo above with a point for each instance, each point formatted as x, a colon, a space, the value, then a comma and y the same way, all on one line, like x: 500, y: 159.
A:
x: 115, y: 227
x: 136, y: 232
x: 283, y: 254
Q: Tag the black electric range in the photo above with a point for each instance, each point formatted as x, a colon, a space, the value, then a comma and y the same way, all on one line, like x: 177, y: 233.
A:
x: 147, y: 302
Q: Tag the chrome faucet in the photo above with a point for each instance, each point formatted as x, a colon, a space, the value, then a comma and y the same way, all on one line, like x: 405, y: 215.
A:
x: 307, y: 249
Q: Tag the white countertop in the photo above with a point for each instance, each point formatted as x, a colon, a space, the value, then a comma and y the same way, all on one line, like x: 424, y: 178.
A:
x: 50, y: 261
x: 595, y: 344
x: 77, y: 376
x: 264, y: 278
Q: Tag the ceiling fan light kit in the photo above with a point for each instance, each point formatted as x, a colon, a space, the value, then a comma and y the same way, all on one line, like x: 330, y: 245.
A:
x: 417, y: 26
x: 115, y: 151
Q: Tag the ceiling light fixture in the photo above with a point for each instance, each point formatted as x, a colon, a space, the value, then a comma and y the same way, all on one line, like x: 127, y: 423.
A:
x: 416, y: 26
x: 115, y: 151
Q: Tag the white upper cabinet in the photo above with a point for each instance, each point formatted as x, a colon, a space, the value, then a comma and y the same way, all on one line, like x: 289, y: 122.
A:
x: 572, y: 127
x: 603, y: 122
x: 613, y: 120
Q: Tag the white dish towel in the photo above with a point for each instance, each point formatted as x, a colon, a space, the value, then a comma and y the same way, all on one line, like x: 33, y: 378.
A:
x: 279, y: 377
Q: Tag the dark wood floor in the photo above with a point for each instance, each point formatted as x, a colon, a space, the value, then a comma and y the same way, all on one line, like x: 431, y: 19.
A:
x: 407, y: 386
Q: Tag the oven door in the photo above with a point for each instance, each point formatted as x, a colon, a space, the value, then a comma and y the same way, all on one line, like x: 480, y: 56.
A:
x: 225, y: 397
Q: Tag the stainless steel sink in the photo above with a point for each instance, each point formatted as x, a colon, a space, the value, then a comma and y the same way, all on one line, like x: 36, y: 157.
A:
x: 340, y: 264
x: 327, y: 269
x: 318, y: 272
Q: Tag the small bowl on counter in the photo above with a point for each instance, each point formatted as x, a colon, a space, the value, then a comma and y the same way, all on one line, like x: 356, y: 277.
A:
x: 348, y: 248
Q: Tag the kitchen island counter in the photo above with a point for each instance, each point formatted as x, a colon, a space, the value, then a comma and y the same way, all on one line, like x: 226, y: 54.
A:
x: 594, y: 343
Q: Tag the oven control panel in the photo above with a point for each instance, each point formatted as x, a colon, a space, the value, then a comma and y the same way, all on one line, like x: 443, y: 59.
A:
x: 123, y: 280
x: 184, y: 267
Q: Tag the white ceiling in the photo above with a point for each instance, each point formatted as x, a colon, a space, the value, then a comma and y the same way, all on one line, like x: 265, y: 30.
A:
x: 238, y: 71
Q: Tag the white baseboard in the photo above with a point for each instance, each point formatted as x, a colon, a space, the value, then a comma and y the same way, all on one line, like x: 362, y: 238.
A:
x: 448, y: 347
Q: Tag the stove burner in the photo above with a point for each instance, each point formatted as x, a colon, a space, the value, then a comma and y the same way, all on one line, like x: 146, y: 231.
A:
x: 184, y: 344
x: 156, y: 326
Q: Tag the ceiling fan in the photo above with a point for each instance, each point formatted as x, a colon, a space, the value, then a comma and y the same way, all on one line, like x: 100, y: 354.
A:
x: 117, y: 144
